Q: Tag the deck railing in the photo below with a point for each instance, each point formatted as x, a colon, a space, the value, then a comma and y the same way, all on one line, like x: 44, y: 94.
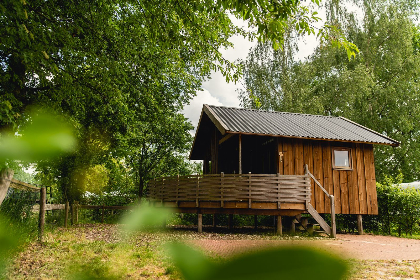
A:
x: 232, y: 187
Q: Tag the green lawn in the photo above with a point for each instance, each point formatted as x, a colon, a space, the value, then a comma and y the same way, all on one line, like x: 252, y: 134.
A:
x: 103, y: 252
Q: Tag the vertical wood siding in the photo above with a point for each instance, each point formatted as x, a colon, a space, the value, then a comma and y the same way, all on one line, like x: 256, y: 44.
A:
x: 354, y: 190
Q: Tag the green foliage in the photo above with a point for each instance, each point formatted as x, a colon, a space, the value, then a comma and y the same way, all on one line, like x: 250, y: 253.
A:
x: 146, y: 218
x: 399, y: 209
x: 44, y: 135
x: 18, y: 204
x: 94, y: 269
x: 9, y: 241
x: 281, y: 263
x: 378, y: 88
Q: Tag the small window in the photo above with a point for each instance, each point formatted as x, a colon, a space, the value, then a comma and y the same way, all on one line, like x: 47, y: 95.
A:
x: 342, y: 158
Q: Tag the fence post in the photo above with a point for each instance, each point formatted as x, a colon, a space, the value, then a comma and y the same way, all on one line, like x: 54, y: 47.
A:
x: 200, y: 223
x: 66, y: 214
x: 278, y: 191
x: 249, y: 190
x: 279, y: 226
x: 72, y: 213
x: 333, y: 226
x: 162, y: 192
x: 102, y: 220
x: 42, y: 202
x: 177, y: 191
x: 197, y: 191
x: 77, y: 212
x: 221, y: 189
x: 359, y: 224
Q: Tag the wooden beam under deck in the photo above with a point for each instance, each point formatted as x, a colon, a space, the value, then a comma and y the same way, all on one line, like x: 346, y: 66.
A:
x: 242, y: 208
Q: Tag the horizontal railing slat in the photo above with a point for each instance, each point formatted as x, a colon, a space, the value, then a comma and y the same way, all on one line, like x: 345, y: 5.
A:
x: 232, y: 187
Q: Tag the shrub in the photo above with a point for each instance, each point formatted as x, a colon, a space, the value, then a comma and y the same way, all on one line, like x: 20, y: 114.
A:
x: 399, y: 208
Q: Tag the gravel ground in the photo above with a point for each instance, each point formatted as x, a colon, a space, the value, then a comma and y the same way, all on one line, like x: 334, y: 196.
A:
x: 225, y: 243
x: 363, y: 247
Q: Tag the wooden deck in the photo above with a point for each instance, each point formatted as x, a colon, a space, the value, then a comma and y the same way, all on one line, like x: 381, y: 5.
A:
x: 251, y: 194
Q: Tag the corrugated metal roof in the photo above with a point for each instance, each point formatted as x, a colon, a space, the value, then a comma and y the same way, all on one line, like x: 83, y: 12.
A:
x: 238, y: 120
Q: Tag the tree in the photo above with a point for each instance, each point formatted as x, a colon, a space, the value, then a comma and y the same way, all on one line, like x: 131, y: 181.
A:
x: 110, y: 65
x: 158, y: 147
x: 378, y: 89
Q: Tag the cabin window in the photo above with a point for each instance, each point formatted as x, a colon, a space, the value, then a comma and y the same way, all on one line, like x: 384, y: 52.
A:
x: 342, y: 158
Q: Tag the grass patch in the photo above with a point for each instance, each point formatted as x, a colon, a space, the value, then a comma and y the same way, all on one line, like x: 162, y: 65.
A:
x: 99, y: 252
x: 103, y: 252
x: 383, y: 269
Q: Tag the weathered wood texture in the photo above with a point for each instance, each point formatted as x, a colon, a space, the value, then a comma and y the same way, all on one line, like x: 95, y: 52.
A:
x: 49, y: 207
x: 354, y: 190
x: 16, y: 184
x: 41, y: 221
x: 226, y: 188
x: 6, y: 176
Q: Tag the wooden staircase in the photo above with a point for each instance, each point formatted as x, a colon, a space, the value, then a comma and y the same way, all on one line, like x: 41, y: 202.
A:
x: 330, y: 230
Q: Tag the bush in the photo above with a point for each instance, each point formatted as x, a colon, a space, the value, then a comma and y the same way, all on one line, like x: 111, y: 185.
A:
x: 399, y: 208
x: 18, y: 204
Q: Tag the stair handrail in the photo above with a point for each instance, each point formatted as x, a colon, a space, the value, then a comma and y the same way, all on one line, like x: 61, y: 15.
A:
x: 330, y: 196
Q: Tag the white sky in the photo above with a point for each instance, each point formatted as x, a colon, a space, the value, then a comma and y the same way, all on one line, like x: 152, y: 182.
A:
x: 218, y: 92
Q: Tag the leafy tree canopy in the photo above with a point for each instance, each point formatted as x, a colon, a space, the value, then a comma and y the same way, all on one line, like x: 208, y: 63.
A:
x: 122, y: 70
x: 378, y: 89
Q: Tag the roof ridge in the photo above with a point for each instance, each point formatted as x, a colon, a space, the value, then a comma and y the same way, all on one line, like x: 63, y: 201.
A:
x: 271, y: 111
x: 371, y: 130
x: 264, y: 122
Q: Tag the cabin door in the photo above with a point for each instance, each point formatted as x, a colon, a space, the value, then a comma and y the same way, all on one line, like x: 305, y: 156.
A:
x: 290, y: 156
x: 280, y: 157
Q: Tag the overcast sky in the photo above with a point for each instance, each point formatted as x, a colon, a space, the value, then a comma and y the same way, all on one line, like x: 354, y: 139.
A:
x: 217, y: 91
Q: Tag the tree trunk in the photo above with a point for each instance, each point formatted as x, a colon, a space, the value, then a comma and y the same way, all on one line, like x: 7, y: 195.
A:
x: 6, y: 176
x: 141, y: 186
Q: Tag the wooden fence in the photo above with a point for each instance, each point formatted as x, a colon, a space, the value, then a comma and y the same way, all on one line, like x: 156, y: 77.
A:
x: 232, y: 187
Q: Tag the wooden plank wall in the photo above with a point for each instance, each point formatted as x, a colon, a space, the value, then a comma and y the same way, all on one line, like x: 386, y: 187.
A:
x: 354, y: 190
x: 214, y: 151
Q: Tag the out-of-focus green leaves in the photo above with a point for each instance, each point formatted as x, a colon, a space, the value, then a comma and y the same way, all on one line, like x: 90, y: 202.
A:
x: 282, y: 263
x: 192, y: 263
x: 279, y: 263
x: 94, y: 269
x: 9, y: 240
x: 45, y: 136
x: 146, y: 218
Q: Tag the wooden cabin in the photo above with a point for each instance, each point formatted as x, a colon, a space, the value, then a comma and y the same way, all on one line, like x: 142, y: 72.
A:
x: 329, y: 160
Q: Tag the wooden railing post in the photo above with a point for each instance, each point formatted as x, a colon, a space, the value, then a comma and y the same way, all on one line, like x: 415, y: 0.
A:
x: 221, y: 189
x: 240, y: 153
x: 177, y: 191
x: 102, y: 220
x: 77, y: 212
x: 359, y: 224
x: 249, y: 190
x: 333, y: 226
x: 278, y: 191
x: 162, y: 192
x: 197, y: 191
x: 66, y: 214
x: 41, y: 222
x: 200, y: 223
x: 279, y: 226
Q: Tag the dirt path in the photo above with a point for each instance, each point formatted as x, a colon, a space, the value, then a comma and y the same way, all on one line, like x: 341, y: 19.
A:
x: 364, y: 247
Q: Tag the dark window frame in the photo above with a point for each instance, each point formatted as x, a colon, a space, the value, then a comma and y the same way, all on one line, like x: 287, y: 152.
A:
x: 350, y: 167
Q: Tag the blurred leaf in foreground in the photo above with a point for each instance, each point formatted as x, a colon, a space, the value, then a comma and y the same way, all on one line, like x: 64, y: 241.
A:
x: 92, y: 269
x: 9, y: 241
x: 146, y: 218
x: 278, y: 263
x: 192, y: 263
x: 45, y: 135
